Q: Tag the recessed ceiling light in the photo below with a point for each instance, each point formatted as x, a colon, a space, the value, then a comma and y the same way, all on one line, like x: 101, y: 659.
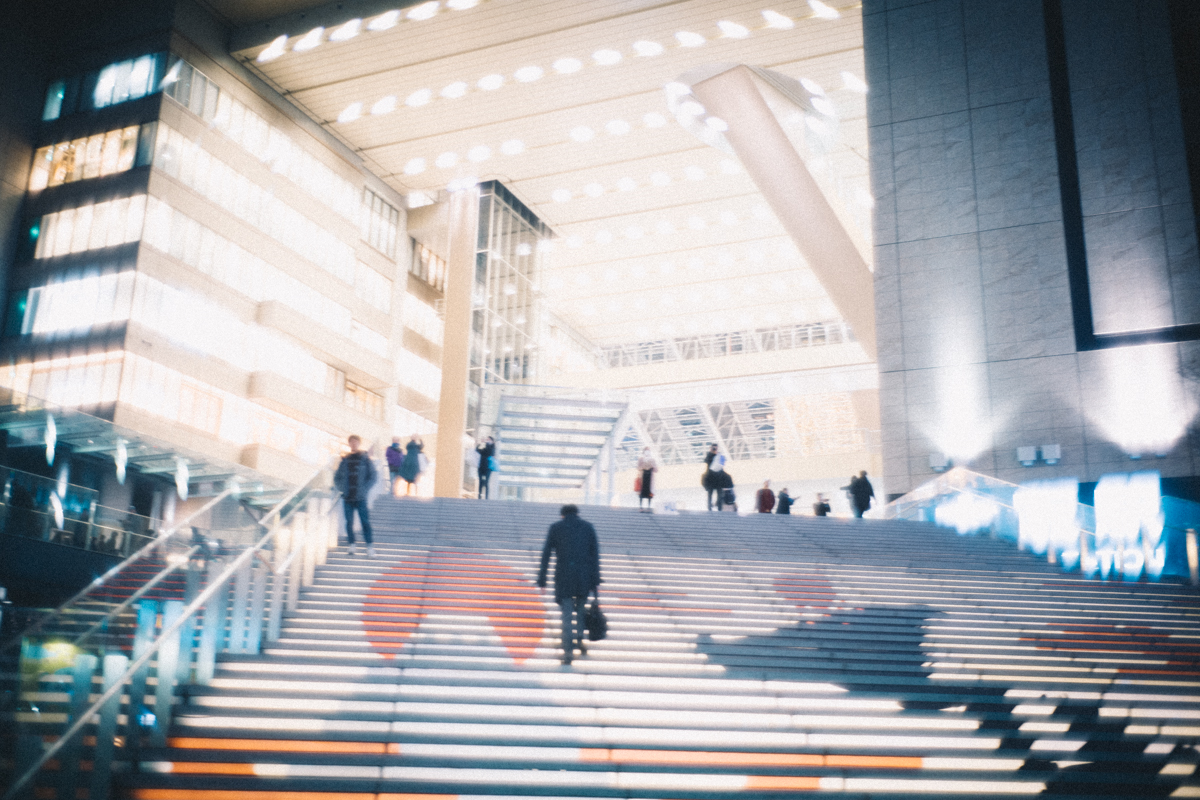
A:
x: 733, y: 30
x: 347, y: 30
x: 676, y: 89
x: 384, y: 105
x: 603, y: 237
x: 423, y: 11
x: 461, y: 5
x: 415, y: 166
x: 627, y: 184
x: 523, y: 249
x: 274, y: 50
x: 574, y: 242
x: 566, y: 66
x: 664, y: 227
x: 717, y: 124
x: 647, y: 48
x: 823, y: 11
x: 490, y: 82
x: 776, y: 20
x: 823, y: 105
x: 729, y: 218
x: 617, y: 127
x: 582, y: 134
x: 512, y: 147
x: 634, y: 232
x: 459, y: 184
x: 697, y: 223
x: 690, y: 39
x: 418, y: 98
x: 479, y: 153
x: 606, y: 58
x: 853, y: 83
x: 654, y: 120
x: 812, y: 86
x: 350, y: 112
x: 384, y: 21
x: 528, y: 74
x: 309, y: 40
x: 454, y: 90
x: 691, y: 108
x: 660, y: 179
x: 593, y: 190
x: 560, y: 195
x: 446, y: 160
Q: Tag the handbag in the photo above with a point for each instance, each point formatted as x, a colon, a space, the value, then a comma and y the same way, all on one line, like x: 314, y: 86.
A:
x: 637, y: 483
x: 491, y: 464
x: 595, y: 622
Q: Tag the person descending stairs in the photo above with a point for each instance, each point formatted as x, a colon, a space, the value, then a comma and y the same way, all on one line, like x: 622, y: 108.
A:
x: 748, y: 657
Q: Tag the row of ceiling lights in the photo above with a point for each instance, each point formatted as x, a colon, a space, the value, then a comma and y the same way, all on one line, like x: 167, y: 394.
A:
x: 564, y: 66
x: 348, y: 30
x: 657, y: 179
x: 665, y: 227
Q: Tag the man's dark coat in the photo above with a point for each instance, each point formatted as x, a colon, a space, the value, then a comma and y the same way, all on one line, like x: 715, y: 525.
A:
x: 577, y: 568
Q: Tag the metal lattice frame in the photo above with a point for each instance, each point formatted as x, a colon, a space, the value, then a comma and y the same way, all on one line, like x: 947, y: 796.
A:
x: 717, y: 345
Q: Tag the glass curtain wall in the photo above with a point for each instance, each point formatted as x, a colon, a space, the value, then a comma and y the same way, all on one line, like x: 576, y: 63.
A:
x: 505, y: 301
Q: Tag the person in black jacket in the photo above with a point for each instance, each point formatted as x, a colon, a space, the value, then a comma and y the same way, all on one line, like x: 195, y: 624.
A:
x: 354, y: 478
x: 486, y: 450
x: 784, y: 504
x: 576, y: 574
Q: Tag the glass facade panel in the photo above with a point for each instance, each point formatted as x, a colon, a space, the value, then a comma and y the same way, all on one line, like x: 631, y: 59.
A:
x: 427, y: 266
x: 89, y: 227
x: 380, y: 221
x: 117, y: 83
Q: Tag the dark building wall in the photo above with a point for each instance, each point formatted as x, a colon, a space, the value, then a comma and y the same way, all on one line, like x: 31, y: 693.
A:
x: 1011, y: 197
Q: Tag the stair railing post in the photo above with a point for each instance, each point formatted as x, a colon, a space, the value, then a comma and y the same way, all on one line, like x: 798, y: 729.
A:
x: 212, y: 628
x: 115, y: 665
x: 278, y: 598
x: 317, y: 531
x: 1193, y: 556
x: 328, y: 523
x: 187, y: 636
x: 168, y: 671
x: 295, y: 573
x: 300, y: 525
x: 81, y: 690
x: 258, y: 599
x: 147, y: 623
x: 238, y: 609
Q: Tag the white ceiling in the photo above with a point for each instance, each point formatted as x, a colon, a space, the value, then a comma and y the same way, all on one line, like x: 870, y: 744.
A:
x: 699, y: 254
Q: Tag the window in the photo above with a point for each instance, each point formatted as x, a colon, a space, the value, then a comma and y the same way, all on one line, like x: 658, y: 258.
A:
x: 77, y: 304
x: 172, y: 232
x: 116, y: 83
x: 199, y: 408
x: 421, y: 318
x: 380, y: 221
x: 428, y: 267
x: 90, y: 157
x: 89, y: 227
x: 76, y: 381
x: 418, y: 374
x: 193, y: 166
x: 372, y: 287
x: 191, y: 88
x: 363, y: 400
x: 368, y: 339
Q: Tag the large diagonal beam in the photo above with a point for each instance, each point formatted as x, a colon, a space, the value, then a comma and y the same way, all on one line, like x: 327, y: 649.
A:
x: 793, y: 194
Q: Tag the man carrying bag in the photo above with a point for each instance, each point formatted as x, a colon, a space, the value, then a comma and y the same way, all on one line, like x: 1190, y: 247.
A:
x: 576, y: 575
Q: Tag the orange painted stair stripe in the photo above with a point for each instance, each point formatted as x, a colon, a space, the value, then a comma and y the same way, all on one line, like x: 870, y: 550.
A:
x: 277, y: 745
x: 781, y: 782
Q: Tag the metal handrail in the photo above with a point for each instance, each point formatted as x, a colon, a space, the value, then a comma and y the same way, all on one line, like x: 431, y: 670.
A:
x: 172, y: 630
x: 101, y: 580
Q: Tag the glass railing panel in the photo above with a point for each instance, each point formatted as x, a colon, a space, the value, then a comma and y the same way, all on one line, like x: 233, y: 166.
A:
x: 214, y: 585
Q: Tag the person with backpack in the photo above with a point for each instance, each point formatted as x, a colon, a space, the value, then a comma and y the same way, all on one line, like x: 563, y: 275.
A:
x: 354, y: 478
x: 395, y: 457
x: 487, y: 461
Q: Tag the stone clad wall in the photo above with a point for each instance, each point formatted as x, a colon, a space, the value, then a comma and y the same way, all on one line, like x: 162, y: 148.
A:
x: 977, y: 341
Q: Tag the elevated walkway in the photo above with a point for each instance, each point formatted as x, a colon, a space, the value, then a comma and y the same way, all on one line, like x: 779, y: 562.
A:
x: 749, y: 657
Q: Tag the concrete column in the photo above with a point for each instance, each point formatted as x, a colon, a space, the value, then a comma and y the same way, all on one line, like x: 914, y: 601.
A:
x: 456, y: 342
x: 793, y: 194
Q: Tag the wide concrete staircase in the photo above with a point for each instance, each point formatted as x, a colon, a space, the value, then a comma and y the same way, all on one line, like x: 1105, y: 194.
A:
x: 749, y: 657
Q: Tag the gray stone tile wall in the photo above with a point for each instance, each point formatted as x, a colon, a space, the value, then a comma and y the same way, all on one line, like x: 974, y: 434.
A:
x: 973, y: 301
